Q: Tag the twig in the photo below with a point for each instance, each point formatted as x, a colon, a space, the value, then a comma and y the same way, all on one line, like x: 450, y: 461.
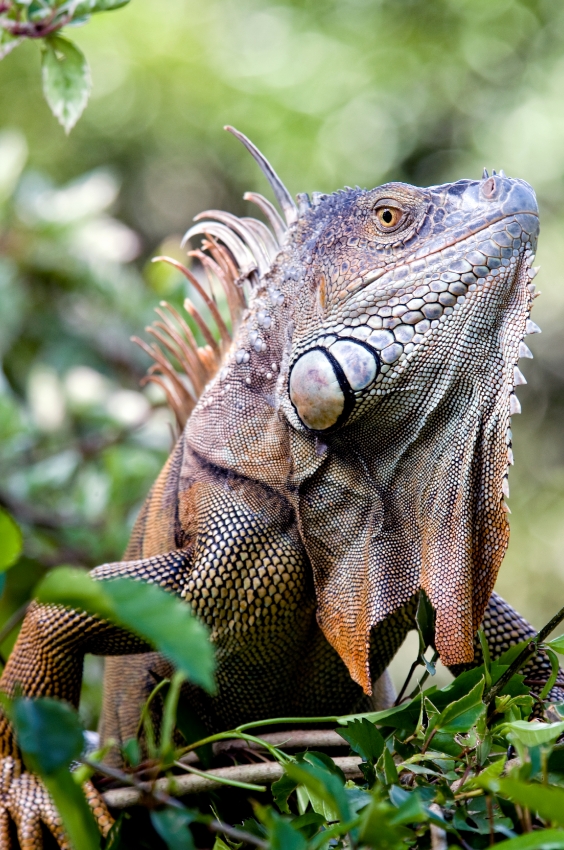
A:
x: 293, y: 740
x: 121, y: 798
x: 527, y: 653
x: 412, y: 669
x: 234, y: 783
x: 237, y: 834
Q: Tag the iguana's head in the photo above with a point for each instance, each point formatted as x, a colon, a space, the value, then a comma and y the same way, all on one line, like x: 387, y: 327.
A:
x: 396, y: 271
x: 382, y: 344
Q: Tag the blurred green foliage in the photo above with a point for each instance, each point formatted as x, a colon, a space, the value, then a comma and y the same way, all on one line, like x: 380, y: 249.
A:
x: 335, y: 92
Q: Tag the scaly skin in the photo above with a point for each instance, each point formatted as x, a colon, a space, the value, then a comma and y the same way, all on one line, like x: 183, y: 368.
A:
x: 319, y: 484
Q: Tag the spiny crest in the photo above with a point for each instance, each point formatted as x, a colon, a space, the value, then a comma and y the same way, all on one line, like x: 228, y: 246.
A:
x: 233, y: 251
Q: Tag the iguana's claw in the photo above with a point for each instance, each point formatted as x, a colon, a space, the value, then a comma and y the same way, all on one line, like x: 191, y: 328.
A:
x: 25, y: 801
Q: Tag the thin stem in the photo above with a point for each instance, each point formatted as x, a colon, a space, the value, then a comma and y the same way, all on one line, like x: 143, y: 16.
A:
x: 237, y: 834
x: 279, y: 720
x: 222, y: 736
x: 424, y: 677
x: 523, y: 657
x: 234, y: 782
x: 412, y: 669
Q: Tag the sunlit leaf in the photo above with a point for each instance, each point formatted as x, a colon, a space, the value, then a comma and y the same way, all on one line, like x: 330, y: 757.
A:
x: 66, y: 80
x: 557, y: 644
x: 535, y: 733
x: 547, y: 800
x: 10, y: 541
x: 546, y: 839
x: 161, y: 618
x: 462, y: 714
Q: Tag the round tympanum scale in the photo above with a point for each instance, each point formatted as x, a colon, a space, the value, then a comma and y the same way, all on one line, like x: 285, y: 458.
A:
x: 323, y: 382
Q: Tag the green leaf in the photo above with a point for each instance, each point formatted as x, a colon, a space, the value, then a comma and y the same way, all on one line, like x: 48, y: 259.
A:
x: 161, y: 618
x: 282, y: 835
x: 547, y: 800
x: 66, y: 80
x: 535, y: 733
x: 281, y: 790
x: 219, y: 844
x: 555, y: 665
x: 557, y: 644
x: 545, y: 839
x: 10, y: 541
x: 73, y: 809
x: 386, y: 768
x: 172, y: 826
x: 325, y: 787
x: 50, y: 736
x: 425, y: 622
x: 108, y: 5
x: 377, y: 828
x: 486, y: 656
x: 49, y: 733
x: 462, y: 714
x: 364, y: 739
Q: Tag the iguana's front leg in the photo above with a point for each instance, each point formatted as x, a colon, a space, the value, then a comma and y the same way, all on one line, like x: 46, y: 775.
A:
x: 47, y: 661
x: 504, y: 628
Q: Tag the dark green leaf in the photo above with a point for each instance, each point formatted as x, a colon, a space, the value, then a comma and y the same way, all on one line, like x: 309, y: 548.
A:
x: 156, y: 615
x: 386, y: 769
x: 66, y: 80
x: 364, y: 739
x: 172, y: 826
x: 377, y: 829
x: 410, y: 810
x: 10, y: 541
x: 462, y: 714
x: 282, y: 835
x: 73, y: 809
x: 281, y: 790
x: 425, y: 621
x: 308, y: 824
x: 49, y: 733
x: 325, y: 788
x: 132, y: 751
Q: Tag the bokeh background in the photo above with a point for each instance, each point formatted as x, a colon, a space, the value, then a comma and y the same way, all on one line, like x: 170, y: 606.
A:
x: 335, y: 92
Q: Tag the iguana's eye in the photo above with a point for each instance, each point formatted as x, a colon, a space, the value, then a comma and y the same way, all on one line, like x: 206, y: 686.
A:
x: 388, y: 217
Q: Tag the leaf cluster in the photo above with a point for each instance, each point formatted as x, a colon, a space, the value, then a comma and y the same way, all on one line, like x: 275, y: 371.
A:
x: 452, y: 766
x: 64, y: 70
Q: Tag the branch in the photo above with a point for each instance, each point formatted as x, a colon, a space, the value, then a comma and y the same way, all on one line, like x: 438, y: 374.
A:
x: 180, y: 786
x: 527, y: 653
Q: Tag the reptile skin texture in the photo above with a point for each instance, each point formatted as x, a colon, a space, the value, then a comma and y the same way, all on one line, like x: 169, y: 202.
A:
x: 352, y: 448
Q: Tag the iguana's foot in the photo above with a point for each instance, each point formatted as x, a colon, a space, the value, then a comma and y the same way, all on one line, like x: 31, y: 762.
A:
x: 25, y: 801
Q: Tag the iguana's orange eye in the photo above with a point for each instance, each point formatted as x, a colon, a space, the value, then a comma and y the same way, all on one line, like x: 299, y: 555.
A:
x: 388, y: 217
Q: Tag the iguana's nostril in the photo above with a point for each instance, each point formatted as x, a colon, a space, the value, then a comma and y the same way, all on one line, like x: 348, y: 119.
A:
x: 489, y: 188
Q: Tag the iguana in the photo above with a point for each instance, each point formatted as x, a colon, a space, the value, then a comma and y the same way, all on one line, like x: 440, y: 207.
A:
x: 349, y: 447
